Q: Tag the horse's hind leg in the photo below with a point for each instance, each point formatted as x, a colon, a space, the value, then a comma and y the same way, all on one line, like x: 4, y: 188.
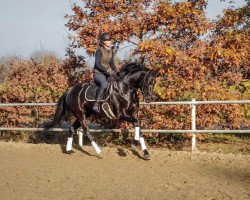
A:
x: 72, y: 131
x: 89, y: 135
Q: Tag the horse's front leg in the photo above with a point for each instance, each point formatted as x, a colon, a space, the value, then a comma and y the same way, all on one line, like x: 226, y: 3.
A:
x: 139, y: 139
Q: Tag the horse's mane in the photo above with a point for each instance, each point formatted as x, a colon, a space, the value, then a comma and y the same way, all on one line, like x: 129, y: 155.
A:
x: 131, y: 68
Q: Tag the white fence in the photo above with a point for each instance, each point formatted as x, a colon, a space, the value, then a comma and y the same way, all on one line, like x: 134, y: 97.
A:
x: 193, y: 130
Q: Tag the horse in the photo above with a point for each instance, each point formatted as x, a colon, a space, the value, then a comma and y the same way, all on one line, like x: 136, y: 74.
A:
x: 121, y: 101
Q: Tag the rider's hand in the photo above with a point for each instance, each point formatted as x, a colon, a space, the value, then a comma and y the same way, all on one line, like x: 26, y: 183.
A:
x: 110, y: 72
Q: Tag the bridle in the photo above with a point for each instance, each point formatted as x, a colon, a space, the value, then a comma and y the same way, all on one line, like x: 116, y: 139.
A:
x: 147, y: 81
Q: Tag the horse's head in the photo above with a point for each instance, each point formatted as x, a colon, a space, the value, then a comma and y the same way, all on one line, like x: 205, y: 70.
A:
x: 139, y: 77
x: 147, y: 85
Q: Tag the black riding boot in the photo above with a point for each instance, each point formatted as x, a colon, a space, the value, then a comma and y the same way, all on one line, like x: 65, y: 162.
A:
x: 99, y: 94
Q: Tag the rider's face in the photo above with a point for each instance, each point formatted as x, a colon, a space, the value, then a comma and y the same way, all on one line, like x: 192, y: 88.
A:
x: 107, y: 43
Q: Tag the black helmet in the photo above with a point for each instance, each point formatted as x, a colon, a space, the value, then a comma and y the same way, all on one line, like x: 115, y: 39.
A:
x: 105, y: 37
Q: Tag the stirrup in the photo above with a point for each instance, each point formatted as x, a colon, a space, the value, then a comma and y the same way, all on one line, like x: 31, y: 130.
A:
x: 96, y: 107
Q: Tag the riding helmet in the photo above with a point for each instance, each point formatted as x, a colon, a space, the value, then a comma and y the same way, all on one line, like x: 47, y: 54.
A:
x: 105, y: 37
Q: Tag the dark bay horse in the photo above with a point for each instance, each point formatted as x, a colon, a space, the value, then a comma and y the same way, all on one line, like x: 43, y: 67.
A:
x: 123, y: 101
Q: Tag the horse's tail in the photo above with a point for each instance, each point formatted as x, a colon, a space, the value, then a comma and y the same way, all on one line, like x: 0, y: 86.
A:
x: 60, y: 111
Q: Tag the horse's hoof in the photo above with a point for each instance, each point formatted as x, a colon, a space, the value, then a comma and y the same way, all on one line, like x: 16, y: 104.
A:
x: 146, y: 156
x: 69, y: 152
x: 99, y: 156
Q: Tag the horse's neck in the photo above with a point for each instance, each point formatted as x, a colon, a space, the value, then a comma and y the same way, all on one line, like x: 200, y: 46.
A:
x: 125, y: 92
x: 134, y: 80
x: 127, y: 87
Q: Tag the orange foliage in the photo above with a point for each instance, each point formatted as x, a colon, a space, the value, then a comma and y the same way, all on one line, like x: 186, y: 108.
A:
x: 39, y: 82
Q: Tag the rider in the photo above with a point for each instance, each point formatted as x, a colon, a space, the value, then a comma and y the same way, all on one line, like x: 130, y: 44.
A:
x: 104, y: 66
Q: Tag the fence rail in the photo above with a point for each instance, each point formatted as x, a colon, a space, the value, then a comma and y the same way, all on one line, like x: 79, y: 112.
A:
x: 142, y: 103
x: 127, y: 130
x: 193, y: 103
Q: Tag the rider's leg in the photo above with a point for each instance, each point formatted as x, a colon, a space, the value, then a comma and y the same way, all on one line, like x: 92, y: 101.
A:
x: 99, y: 94
x: 100, y: 79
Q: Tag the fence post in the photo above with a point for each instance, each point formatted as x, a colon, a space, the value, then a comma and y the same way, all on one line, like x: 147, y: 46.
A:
x: 80, y: 136
x: 193, y: 118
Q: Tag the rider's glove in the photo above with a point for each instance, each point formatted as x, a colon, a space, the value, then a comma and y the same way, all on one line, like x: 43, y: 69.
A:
x: 110, y: 73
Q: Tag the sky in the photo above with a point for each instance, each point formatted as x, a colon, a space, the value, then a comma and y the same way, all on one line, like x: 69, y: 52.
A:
x: 29, y: 25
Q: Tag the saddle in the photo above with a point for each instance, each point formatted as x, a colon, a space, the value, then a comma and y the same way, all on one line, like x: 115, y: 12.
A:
x: 90, y: 92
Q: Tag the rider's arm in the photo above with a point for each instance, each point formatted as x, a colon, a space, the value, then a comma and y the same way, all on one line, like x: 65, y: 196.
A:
x: 112, y: 63
x: 98, y: 65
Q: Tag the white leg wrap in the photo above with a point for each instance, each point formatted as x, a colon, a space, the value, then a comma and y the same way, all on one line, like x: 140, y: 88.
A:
x: 98, y: 150
x: 143, y: 146
x: 69, y: 144
x: 80, y: 136
x: 137, y: 133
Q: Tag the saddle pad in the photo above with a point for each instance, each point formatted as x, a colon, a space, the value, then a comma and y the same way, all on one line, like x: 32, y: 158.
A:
x: 90, y: 93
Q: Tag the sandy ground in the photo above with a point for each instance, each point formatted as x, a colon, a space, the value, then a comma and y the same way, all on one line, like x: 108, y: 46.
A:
x: 41, y: 171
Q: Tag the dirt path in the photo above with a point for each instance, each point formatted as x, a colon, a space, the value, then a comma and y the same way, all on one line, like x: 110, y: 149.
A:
x: 40, y: 171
